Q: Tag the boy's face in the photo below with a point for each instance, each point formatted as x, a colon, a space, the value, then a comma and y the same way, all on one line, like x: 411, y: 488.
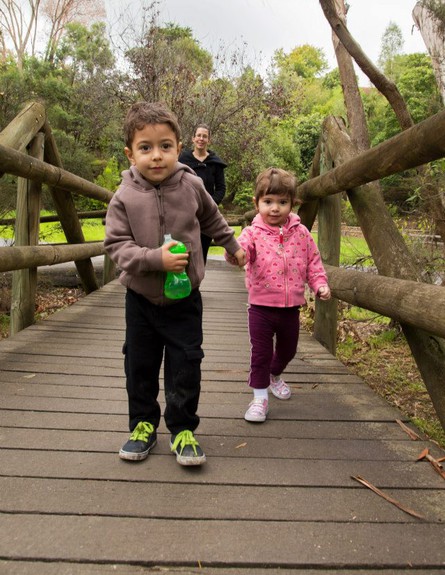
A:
x: 154, y: 152
x: 274, y: 209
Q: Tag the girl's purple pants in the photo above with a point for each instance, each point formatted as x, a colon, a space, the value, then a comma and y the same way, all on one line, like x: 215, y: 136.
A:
x: 273, y: 335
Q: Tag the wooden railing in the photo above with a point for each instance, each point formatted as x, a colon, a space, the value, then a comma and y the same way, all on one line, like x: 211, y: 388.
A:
x: 28, y: 150
x: 397, y: 291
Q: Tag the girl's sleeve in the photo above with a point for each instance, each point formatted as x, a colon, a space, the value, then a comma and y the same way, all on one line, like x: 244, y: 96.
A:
x: 247, y: 241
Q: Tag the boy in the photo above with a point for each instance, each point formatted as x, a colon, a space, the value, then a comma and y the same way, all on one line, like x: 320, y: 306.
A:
x: 158, y: 196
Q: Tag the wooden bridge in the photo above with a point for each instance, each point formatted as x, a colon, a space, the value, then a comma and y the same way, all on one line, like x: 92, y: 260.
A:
x: 279, y: 497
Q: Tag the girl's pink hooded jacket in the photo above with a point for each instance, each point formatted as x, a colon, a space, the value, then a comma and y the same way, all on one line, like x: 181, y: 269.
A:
x: 280, y: 261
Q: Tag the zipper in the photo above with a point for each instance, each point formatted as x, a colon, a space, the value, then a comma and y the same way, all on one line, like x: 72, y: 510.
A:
x: 283, y: 254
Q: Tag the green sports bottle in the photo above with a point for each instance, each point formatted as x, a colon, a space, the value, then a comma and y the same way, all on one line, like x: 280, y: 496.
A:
x: 177, y: 284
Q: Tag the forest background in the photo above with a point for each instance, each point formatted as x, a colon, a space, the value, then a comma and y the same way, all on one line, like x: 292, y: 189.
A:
x: 87, y: 74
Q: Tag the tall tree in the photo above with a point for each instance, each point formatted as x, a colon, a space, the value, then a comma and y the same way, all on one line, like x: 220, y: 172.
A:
x: 167, y: 64
x: 391, y: 46
x: 60, y: 13
x: 19, y: 24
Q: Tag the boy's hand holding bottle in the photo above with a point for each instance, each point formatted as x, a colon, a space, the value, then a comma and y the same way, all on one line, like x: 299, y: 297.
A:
x: 173, y: 262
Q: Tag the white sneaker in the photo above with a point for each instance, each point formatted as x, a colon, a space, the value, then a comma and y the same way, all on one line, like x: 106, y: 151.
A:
x: 257, y: 410
x: 279, y: 388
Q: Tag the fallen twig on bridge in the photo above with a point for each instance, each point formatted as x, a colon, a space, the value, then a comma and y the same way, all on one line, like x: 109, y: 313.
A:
x: 386, y: 497
x: 434, y: 462
x: 413, y: 435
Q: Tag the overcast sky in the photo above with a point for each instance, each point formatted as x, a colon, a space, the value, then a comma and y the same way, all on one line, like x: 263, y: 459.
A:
x: 267, y: 25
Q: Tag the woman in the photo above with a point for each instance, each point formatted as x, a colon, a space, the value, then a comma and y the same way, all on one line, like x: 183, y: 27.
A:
x: 209, y: 167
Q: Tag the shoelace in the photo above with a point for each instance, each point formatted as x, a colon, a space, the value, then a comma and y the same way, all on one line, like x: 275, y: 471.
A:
x: 257, y: 407
x: 142, y: 431
x: 278, y: 385
x: 185, y: 438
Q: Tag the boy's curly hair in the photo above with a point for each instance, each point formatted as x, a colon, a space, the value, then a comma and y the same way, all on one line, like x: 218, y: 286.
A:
x: 142, y: 113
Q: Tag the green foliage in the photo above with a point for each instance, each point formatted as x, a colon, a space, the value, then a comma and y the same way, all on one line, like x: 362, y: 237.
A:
x: 255, y: 123
x: 110, y: 177
x: 417, y: 84
x: 244, y: 197
x: 167, y: 64
x: 414, y: 76
x: 84, y: 52
x: 305, y: 61
x: 347, y: 214
x: 307, y: 134
x: 332, y: 79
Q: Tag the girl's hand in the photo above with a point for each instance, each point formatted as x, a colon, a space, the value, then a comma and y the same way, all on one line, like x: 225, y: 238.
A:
x: 324, y: 293
x: 237, y: 259
x: 175, y: 263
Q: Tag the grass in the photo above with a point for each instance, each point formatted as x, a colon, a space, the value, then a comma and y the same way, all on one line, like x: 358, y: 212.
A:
x: 52, y: 232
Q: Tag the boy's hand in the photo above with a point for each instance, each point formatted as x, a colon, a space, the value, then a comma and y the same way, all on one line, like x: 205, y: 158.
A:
x: 231, y: 259
x: 240, y: 257
x: 324, y: 293
x: 175, y: 263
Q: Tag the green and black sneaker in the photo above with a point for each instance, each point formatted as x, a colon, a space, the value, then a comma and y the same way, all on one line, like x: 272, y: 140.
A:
x: 187, y: 449
x: 142, y: 440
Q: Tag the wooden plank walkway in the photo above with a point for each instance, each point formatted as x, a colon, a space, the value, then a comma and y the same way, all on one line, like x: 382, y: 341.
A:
x: 273, y: 498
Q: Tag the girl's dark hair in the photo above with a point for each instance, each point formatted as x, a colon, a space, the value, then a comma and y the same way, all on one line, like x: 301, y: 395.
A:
x: 277, y: 182
x: 143, y: 113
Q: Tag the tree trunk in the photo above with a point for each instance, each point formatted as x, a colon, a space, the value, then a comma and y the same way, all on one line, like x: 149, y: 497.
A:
x: 433, y: 36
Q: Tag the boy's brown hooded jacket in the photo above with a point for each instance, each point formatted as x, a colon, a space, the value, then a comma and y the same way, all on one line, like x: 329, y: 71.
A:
x: 139, y: 215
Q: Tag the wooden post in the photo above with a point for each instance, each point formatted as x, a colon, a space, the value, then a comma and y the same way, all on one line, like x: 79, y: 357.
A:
x: 24, y: 282
x: 66, y: 210
x: 109, y: 270
x: 329, y: 232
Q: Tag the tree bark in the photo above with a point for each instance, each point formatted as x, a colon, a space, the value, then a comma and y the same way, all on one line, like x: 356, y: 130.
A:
x: 402, y: 300
x: 434, y: 38
x: 17, y: 258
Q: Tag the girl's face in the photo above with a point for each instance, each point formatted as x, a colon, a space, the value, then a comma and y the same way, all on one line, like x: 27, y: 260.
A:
x: 274, y: 209
x: 201, y: 139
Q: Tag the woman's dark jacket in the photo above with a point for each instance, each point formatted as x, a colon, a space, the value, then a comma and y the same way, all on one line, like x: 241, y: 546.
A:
x: 211, y: 172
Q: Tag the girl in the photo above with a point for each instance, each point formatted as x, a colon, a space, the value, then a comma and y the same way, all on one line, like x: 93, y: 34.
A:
x: 281, y: 258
